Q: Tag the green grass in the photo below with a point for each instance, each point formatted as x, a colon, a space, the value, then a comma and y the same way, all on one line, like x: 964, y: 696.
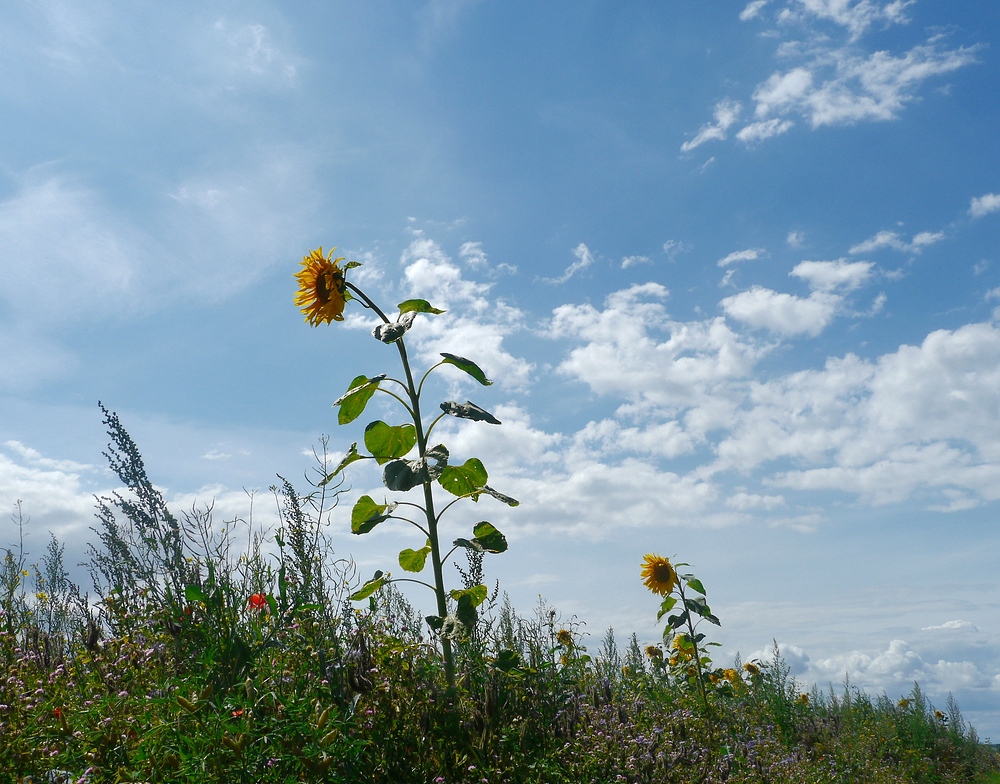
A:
x: 213, y: 655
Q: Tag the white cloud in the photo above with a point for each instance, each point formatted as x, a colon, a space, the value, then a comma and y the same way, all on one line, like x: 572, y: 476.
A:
x: 726, y: 113
x: 950, y: 625
x: 631, y: 261
x: 584, y: 259
x: 783, y: 314
x: 893, y: 240
x: 856, y: 17
x: 765, y: 129
x: 473, y: 255
x: 830, y: 275
x: 795, y: 239
x: 984, y: 205
x: 752, y: 10
x: 750, y: 254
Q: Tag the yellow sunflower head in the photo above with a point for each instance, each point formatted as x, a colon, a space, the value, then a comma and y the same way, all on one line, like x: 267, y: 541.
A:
x: 658, y: 575
x: 565, y: 638
x: 322, y: 290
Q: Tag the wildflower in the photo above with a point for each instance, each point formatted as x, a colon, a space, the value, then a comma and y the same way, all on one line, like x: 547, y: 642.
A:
x: 42, y: 597
x: 751, y: 668
x: 940, y: 716
x: 802, y: 699
x: 904, y: 704
x: 565, y: 638
x: 257, y: 601
x: 237, y: 713
x: 322, y: 291
x: 730, y: 675
x: 654, y: 653
x: 658, y: 575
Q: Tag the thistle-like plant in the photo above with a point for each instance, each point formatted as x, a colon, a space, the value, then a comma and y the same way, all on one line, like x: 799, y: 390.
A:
x: 322, y: 296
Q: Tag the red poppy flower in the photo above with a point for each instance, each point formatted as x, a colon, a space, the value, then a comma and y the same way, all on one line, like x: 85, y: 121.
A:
x: 257, y: 601
x: 237, y: 713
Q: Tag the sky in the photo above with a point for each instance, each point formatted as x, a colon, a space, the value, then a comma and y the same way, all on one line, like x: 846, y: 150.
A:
x: 733, y: 267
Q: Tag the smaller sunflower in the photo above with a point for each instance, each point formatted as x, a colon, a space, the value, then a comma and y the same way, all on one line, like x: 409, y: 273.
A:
x: 658, y: 575
x: 322, y: 290
x: 565, y: 638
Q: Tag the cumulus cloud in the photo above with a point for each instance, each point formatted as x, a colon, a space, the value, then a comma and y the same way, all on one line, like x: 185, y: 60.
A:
x: 830, y: 275
x: 984, y: 205
x: 631, y: 261
x: 780, y: 313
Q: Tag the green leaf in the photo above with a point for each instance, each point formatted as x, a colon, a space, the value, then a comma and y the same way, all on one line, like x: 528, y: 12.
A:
x: 505, y: 499
x: 469, y: 545
x: 466, y: 613
x: 468, y: 366
x: 387, y: 442
x: 369, y: 587
x: 477, y: 594
x: 366, y: 514
x: 697, y: 605
x: 351, y: 265
x: 695, y: 585
x: 193, y: 593
x: 350, y: 457
x: 667, y: 606
x: 465, y: 479
x: 353, y: 402
x: 489, y: 538
x: 418, y: 306
x: 414, y: 560
x: 677, y: 621
x: 469, y: 410
x: 403, y: 475
x: 435, y: 622
x: 507, y: 660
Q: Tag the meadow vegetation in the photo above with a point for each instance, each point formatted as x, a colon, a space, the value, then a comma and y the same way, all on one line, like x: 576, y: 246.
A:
x: 210, y: 651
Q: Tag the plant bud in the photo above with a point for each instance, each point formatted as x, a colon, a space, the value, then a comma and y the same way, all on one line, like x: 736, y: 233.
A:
x: 186, y: 704
x: 321, y: 721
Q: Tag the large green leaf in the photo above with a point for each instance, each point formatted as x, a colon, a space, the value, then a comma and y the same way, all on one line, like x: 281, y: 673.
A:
x: 469, y: 410
x: 193, y: 593
x: 369, y: 587
x: 477, y: 594
x: 353, y: 402
x: 366, y: 514
x: 418, y: 306
x: 414, y: 560
x: 695, y: 585
x: 489, y: 538
x: 388, y: 442
x: 465, y: 479
x: 468, y: 366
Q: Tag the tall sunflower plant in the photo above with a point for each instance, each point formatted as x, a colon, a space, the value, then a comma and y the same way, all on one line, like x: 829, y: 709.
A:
x: 686, y: 607
x: 409, y: 462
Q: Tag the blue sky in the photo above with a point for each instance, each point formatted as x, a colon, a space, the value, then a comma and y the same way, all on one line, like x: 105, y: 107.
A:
x: 734, y: 268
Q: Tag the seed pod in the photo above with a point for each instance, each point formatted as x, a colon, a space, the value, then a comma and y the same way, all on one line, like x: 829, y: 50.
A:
x: 321, y: 721
x: 329, y: 737
x: 186, y: 704
x: 229, y: 743
x: 251, y: 691
x: 324, y: 764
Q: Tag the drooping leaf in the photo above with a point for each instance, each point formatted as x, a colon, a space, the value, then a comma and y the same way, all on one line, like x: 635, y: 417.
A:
x: 489, y: 538
x: 369, y: 587
x: 469, y: 410
x: 418, y: 306
x: 403, y: 475
x: 469, y: 544
x: 676, y: 621
x: 350, y: 457
x: 414, y: 560
x: 465, y: 479
x: 353, y: 402
x: 466, y: 612
x: 477, y: 594
x: 468, y: 366
x: 366, y: 514
x: 435, y: 622
x: 506, y: 499
x: 390, y: 333
x: 695, y: 585
x: 351, y: 265
x: 387, y: 442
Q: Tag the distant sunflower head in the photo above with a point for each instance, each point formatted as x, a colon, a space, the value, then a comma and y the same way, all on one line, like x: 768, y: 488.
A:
x: 322, y: 290
x: 658, y: 575
x: 565, y: 638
